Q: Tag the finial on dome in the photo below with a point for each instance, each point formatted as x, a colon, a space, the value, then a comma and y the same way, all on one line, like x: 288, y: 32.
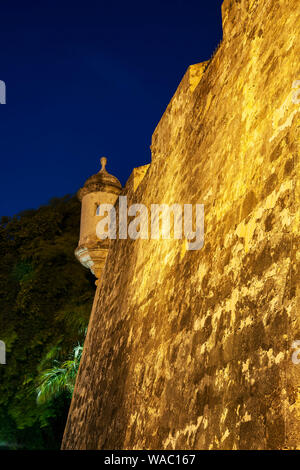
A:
x: 103, y: 161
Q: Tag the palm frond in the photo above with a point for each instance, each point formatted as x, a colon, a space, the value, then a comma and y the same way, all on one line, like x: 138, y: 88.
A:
x: 61, y: 378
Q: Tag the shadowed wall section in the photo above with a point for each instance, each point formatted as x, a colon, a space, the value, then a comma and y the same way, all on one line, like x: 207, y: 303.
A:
x: 192, y: 349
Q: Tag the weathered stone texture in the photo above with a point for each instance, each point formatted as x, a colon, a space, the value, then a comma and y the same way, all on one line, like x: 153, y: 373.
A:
x: 192, y: 349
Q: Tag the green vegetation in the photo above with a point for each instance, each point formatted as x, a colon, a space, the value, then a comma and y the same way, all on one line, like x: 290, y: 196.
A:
x: 45, y: 302
x: 60, y: 379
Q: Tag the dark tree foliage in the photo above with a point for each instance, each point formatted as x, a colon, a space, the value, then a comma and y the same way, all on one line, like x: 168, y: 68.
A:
x: 45, y: 302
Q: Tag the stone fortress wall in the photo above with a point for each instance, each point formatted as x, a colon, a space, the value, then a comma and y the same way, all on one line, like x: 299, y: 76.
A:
x: 192, y: 349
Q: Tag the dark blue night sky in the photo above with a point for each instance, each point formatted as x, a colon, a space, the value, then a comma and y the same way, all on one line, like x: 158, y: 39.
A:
x: 86, y: 79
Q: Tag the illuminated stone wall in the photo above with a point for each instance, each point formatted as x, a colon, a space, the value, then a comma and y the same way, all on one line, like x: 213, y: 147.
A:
x: 192, y: 349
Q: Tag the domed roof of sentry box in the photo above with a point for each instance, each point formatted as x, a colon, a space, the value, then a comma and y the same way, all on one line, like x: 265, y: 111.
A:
x: 102, y: 181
